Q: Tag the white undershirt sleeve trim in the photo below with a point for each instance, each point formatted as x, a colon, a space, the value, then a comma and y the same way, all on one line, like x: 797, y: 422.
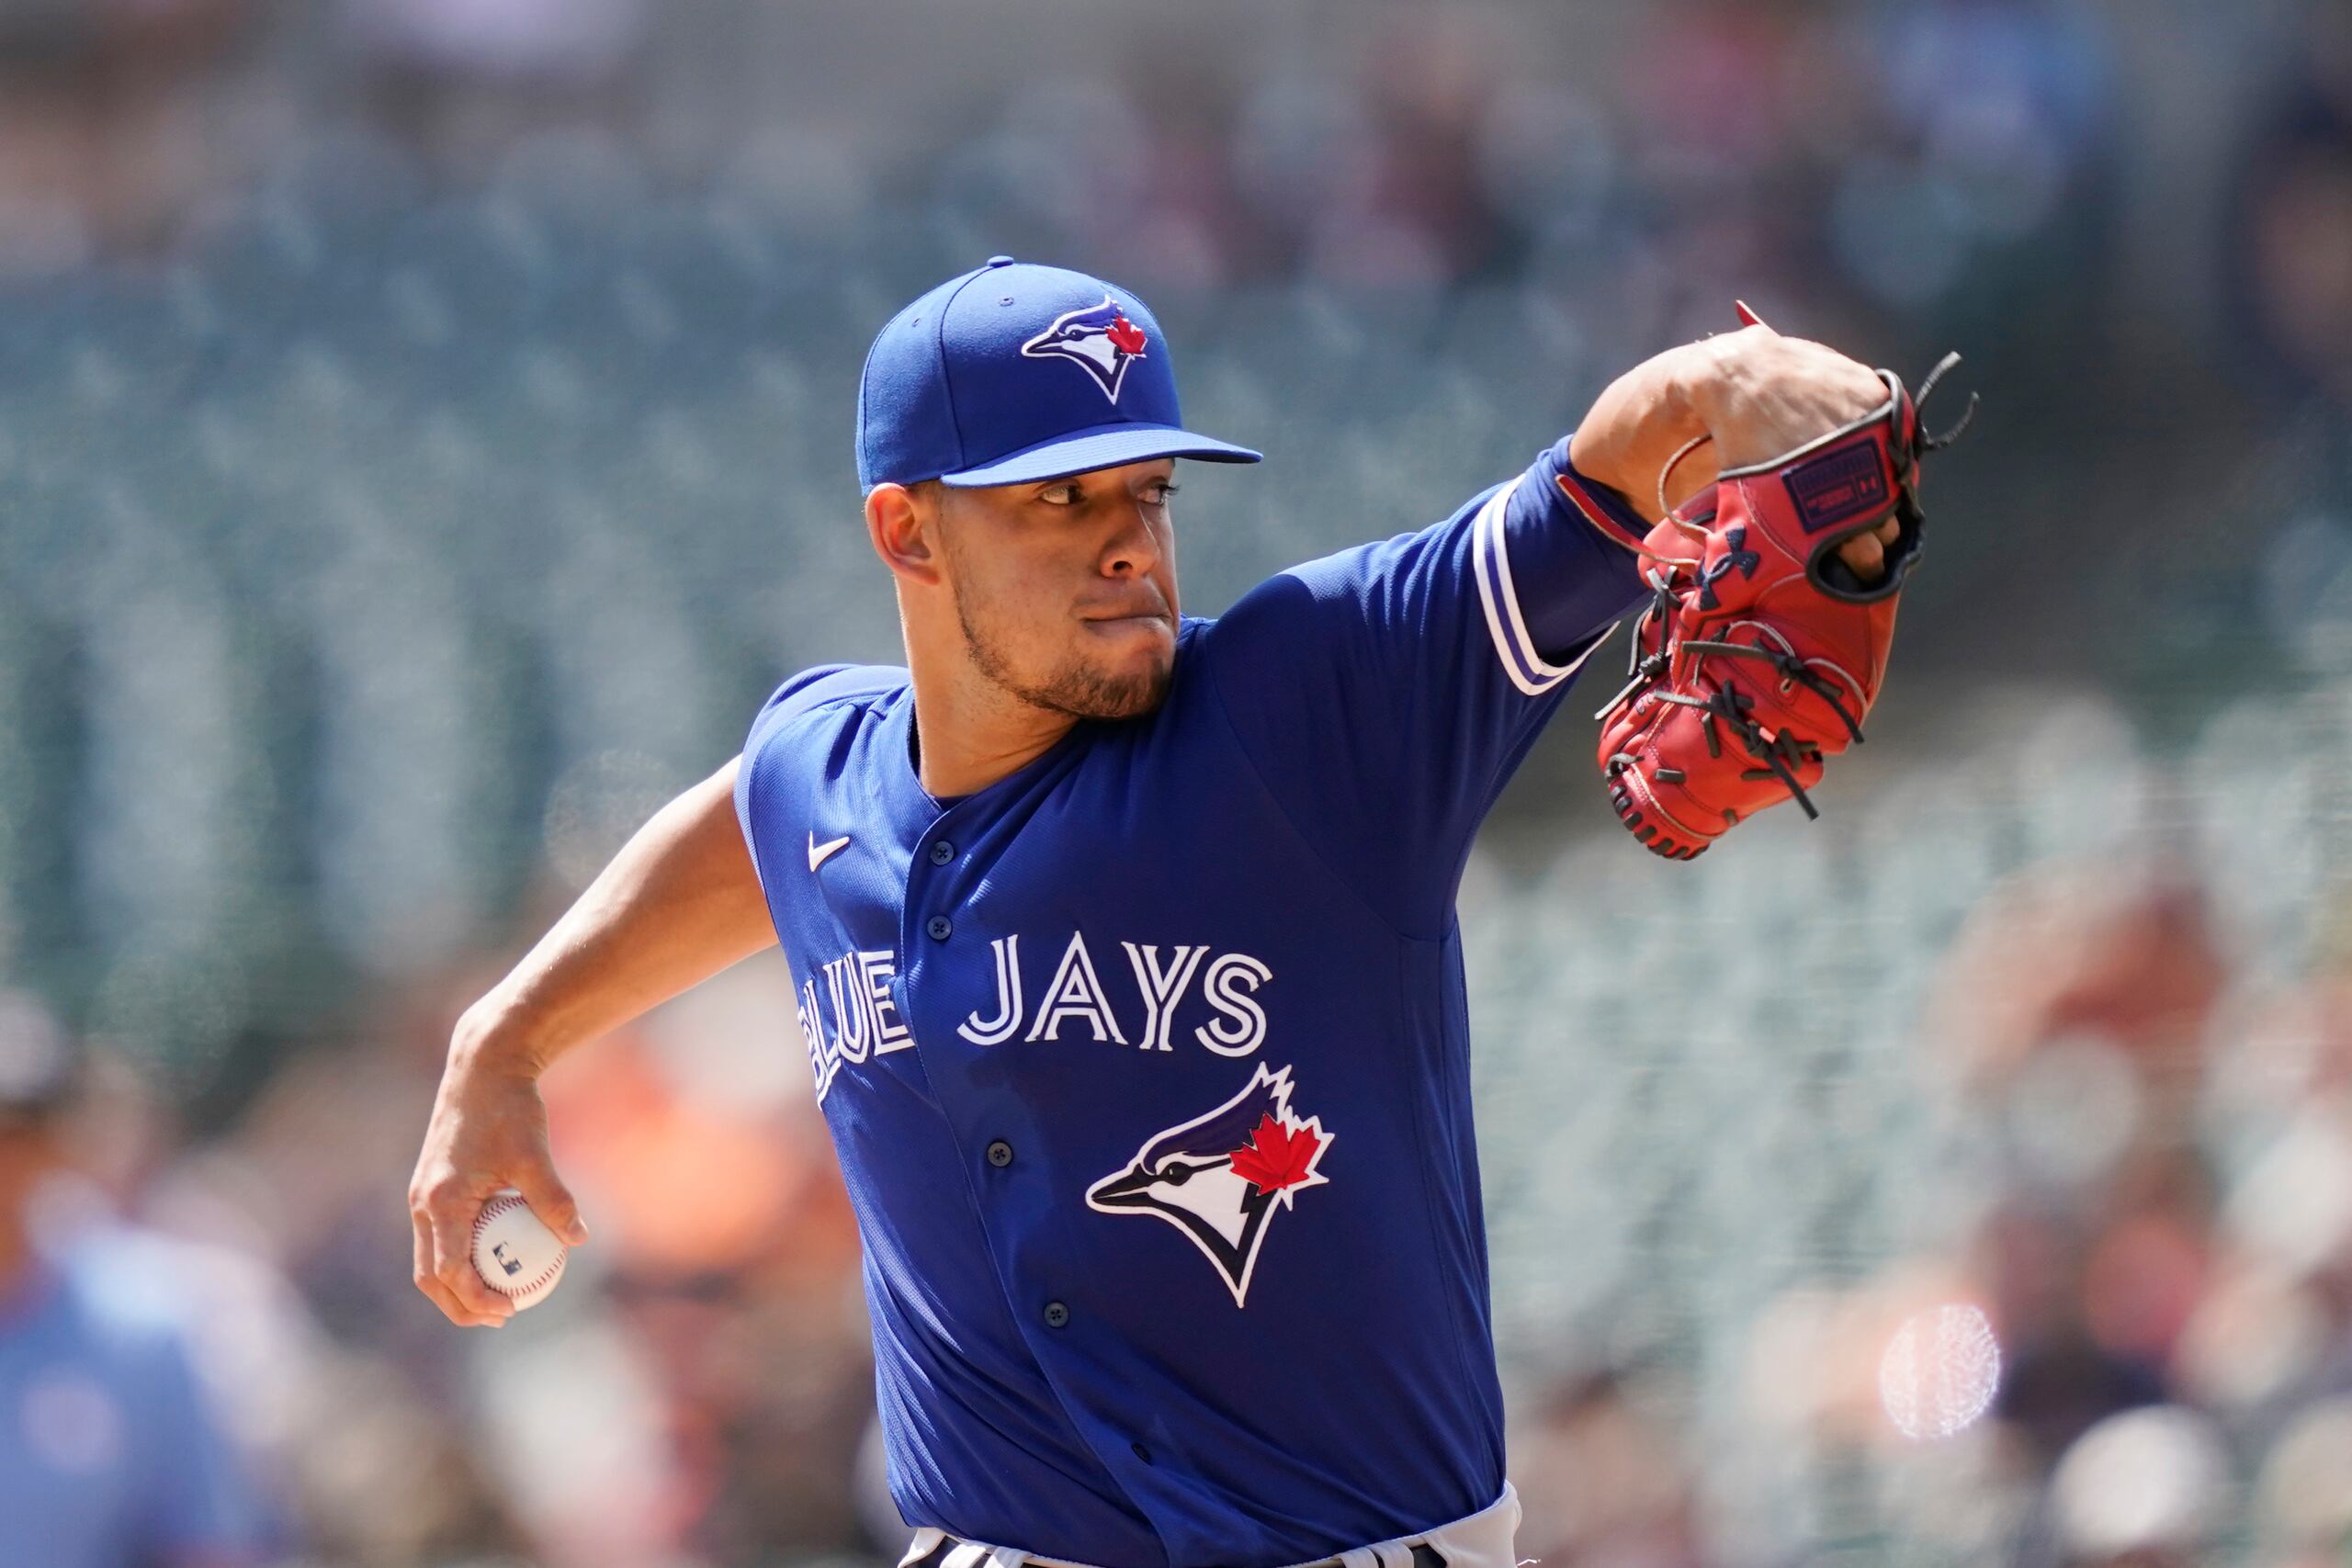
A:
x: 1490, y: 562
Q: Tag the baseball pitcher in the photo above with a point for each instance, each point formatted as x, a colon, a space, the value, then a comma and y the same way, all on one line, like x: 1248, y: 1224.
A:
x: 1124, y: 941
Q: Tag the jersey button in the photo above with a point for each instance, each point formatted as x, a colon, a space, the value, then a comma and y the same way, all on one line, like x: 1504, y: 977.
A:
x: 940, y: 927
x: 1000, y: 1154
x: 1056, y: 1314
x: 942, y: 852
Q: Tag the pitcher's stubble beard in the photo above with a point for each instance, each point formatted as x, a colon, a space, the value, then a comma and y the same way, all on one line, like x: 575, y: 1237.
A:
x: 1076, y: 688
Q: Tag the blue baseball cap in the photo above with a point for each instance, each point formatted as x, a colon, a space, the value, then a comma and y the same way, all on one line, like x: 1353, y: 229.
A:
x: 1014, y: 373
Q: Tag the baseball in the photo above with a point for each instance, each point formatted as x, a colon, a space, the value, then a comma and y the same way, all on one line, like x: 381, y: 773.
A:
x: 513, y: 1253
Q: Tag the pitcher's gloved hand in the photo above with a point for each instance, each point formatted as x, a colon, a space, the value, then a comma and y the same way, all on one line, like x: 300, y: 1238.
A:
x: 1763, y: 647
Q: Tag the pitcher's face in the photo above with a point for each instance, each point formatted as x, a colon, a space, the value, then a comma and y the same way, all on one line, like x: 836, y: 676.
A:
x: 1066, y: 589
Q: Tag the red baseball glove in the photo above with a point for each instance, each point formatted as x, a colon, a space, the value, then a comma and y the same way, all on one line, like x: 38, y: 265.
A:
x: 1761, y: 651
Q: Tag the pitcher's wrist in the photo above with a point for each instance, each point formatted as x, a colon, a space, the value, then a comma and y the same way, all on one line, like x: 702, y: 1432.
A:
x: 495, y: 1035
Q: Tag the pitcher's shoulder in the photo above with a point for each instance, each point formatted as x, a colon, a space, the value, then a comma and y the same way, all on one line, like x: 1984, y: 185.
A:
x: 839, y: 689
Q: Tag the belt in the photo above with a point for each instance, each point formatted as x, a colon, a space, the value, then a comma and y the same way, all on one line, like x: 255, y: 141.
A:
x: 974, y: 1556
x: 1483, y: 1540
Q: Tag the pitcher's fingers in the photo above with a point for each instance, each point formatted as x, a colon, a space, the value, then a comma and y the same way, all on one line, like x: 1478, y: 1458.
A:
x: 438, y: 1293
x: 438, y: 1290
x: 453, y: 1265
x: 552, y: 1203
x: 1865, y: 554
x: 430, y: 1283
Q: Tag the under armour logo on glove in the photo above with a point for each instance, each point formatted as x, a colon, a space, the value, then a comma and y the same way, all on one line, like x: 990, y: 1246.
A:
x: 1736, y: 554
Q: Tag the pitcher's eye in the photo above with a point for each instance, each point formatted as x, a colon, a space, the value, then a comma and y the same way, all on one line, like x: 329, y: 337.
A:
x: 1163, y: 491
x: 1062, y: 494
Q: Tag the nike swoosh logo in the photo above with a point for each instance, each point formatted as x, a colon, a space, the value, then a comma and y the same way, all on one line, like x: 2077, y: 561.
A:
x: 820, y: 853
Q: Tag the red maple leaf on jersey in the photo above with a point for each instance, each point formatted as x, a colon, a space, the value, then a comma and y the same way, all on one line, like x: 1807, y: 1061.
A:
x: 1124, y: 335
x: 1278, y: 1156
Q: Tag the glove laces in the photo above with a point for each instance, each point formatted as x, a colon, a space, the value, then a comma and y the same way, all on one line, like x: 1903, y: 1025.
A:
x: 1783, y: 752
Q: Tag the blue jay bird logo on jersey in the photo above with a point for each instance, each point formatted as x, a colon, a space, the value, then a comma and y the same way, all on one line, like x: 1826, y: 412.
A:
x: 1220, y: 1177
x: 1099, y: 340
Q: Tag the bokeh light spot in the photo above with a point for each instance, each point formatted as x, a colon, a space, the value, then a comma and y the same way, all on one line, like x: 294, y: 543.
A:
x: 1939, y: 1372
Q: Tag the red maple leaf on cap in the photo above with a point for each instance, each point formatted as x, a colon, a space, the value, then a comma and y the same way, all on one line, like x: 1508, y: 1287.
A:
x: 1278, y: 1156
x: 1124, y: 335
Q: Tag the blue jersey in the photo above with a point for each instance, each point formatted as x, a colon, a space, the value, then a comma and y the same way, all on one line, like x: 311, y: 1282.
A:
x: 110, y: 1452
x: 1148, y: 1065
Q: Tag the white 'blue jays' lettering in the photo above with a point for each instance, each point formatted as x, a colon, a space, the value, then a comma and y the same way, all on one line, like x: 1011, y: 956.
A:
x: 1074, y: 998
x: 864, y: 1018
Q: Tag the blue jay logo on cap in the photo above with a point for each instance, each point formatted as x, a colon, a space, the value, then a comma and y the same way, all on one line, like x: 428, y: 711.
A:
x: 1099, y: 340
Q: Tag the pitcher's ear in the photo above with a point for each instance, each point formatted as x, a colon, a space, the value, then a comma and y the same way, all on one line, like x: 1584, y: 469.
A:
x: 902, y: 522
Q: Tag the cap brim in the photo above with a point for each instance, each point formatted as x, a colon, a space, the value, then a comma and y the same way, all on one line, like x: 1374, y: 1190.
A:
x: 1104, y: 446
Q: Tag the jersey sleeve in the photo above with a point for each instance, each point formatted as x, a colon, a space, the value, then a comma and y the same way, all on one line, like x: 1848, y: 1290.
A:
x: 801, y: 693
x: 1387, y: 693
x: 765, y: 748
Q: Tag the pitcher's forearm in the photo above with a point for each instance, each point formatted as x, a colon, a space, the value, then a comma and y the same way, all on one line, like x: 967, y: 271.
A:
x: 678, y: 904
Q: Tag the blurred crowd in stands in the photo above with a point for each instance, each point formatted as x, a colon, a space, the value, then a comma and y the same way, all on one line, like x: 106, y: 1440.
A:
x: 424, y: 436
